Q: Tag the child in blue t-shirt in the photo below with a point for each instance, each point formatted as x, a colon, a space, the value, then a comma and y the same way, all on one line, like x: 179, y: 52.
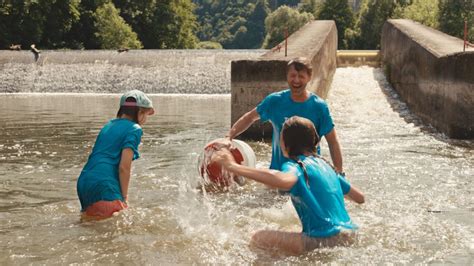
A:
x: 103, y: 184
x: 317, y: 192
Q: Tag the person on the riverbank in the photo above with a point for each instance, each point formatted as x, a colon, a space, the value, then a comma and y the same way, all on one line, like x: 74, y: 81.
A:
x: 103, y: 184
x: 296, y: 100
x: 35, y: 52
x: 317, y: 192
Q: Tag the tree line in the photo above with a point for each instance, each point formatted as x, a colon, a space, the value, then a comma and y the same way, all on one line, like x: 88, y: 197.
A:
x: 229, y: 24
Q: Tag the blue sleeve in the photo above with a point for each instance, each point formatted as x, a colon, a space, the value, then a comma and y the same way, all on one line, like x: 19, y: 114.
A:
x: 326, y: 123
x: 264, y: 107
x: 132, y: 140
x: 345, y: 185
x: 289, y: 167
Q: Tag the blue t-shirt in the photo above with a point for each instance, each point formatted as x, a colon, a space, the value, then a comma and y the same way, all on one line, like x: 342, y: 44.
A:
x: 278, y: 106
x: 320, y: 206
x: 99, y: 179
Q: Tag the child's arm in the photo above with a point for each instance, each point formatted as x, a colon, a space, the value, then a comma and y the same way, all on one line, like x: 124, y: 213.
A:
x: 355, y: 195
x: 272, y: 178
x: 125, y: 168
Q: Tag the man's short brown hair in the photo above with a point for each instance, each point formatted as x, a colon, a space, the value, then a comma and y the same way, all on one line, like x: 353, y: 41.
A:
x: 300, y: 63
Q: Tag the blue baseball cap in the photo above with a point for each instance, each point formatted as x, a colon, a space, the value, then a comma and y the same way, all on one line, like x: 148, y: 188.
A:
x: 141, y: 100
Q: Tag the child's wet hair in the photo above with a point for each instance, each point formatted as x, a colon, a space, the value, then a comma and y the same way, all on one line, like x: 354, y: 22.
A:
x: 131, y: 111
x: 299, y: 136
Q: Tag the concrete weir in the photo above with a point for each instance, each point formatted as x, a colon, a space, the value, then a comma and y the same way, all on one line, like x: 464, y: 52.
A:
x: 432, y: 74
x: 252, y: 80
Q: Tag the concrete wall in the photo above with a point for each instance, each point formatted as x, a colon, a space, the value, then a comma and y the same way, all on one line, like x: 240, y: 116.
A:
x: 432, y: 74
x: 252, y: 80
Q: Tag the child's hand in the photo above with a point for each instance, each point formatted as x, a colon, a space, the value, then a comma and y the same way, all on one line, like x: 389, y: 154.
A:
x: 223, y: 143
x: 223, y: 157
x: 125, y: 200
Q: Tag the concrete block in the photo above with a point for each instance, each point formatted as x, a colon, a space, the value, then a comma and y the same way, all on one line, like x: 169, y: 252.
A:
x: 432, y: 74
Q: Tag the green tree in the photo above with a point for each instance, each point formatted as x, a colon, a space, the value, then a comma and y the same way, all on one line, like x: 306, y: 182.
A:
x: 453, y: 13
x: 20, y: 23
x: 61, y: 15
x: 423, y: 11
x: 112, y: 31
x: 83, y: 32
x: 43, y: 22
x: 277, y: 21
x: 226, y: 22
x: 341, y: 13
x: 310, y: 6
x: 236, y: 24
x: 183, y: 25
x: 372, y: 16
x: 254, y: 33
x: 161, y: 24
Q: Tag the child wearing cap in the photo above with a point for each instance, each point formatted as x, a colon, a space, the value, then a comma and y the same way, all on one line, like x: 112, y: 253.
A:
x: 103, y: 184
x: 317, y: 192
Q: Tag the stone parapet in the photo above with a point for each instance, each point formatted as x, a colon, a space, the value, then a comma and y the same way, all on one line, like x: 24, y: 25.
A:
x: 432, y: 74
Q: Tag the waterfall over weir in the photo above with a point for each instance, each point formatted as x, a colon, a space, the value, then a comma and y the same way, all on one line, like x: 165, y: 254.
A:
x: 106, y: 71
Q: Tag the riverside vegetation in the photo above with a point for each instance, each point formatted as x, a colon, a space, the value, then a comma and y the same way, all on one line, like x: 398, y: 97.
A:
x: 210, y: 24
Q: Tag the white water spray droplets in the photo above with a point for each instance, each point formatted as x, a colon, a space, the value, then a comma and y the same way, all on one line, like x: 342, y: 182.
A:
x: 404, y: 167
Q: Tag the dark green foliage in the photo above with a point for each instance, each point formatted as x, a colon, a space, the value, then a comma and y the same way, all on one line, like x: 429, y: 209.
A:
x: 452, y: 14
x: 234, y: 24
x: 167, y: 24
x: 112, y: 31
x: 372, y: 16
x: 61, y: 15
x: 140, y: 14
x: 43, y: 22
x: 274, y: 4
x: 310, y: 6
x: 423, y: 11
x: 255, y: 26
x: 74, y: 23
x: 282, y: 19
x: 341, y: 13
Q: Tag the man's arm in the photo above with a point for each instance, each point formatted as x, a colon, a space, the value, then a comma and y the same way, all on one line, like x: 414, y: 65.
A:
x: 243, y: 123
x: 334, y: 149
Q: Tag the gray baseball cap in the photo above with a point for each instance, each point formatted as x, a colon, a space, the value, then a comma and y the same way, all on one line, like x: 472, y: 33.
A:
x: 142, y: 100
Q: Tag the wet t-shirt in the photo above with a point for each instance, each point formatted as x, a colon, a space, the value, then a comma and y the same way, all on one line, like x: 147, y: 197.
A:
x: 99, y: 179
x: 278, y: 107
x: 320, y: 202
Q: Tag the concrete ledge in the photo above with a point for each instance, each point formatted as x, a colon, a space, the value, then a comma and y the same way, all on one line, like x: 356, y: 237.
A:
x: 253, y: 80
x: 432, y: 74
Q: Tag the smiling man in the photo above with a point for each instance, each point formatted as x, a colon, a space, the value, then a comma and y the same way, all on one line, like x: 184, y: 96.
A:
x: 295, y: 101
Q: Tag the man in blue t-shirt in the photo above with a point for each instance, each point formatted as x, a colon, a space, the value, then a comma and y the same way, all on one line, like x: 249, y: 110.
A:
x: 295, y: 101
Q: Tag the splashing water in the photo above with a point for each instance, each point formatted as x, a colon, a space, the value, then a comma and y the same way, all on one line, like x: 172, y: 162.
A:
x: 418, y: 184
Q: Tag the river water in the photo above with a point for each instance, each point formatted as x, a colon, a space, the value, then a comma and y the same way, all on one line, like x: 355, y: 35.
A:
x: 418, y: 184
